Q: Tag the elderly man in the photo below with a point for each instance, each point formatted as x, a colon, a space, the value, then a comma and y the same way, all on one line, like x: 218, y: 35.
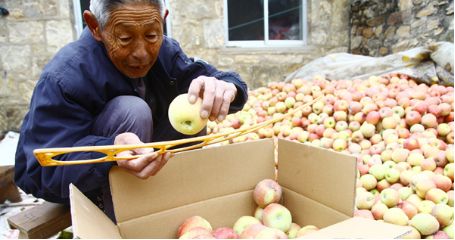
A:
x: 114, y: 86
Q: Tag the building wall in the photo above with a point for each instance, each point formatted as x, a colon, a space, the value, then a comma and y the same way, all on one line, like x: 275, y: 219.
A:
x: 36, y: 29
x: 383, y: 27
x: 29, y: 36
x: 327, y: 32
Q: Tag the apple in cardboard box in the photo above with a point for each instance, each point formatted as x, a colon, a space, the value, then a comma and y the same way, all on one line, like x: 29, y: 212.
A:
x: 266, y: 192
x: 252, y: 231
x: 277, y: 216
x: 193, y: 222
x: 258, y: 213
x: 292, y: 232
x: 197, y: 233
x: 243, y: 223
x: 225, y: 233
x: 306, y: 230
x: 186, y: 117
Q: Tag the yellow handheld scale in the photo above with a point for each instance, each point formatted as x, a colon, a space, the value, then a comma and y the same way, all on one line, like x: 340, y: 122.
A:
x: 45, y: 156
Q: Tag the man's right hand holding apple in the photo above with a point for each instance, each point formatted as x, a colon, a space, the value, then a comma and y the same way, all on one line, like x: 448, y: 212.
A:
x: 216, y: 95
x: 144, y: 166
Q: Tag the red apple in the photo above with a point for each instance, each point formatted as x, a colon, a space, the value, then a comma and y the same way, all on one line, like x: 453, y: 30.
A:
x: 408, y: 208
x: 193, y: 222
x: 429, y: 120
x: 197, y: 233
x: 373, y: 117
x: 243, y: 223
x: 267, y: 191
x: 413, y: 117
x: 225, y: 233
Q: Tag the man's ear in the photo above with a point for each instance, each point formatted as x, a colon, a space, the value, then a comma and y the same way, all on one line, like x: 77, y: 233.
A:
x: 92, y: 24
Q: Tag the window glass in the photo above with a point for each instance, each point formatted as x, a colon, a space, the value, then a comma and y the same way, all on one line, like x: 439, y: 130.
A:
x: 285, y: 20
x: 245, y: 20
x: 85, y: 5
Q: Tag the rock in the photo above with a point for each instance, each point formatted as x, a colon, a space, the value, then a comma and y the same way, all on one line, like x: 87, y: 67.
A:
x: 405, y: 5
x: 394, y: 19
x: 368, y: 32
x: 404, y: 32
x: 427, y: 11
x: 383, y: 51
x: 374, y: 22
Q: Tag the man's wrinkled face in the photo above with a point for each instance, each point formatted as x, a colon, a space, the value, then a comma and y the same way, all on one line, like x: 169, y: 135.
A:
x: 133, y: 37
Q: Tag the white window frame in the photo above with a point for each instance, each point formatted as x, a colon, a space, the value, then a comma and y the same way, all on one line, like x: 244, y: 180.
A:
x: 77, y: 17
x: 78, y: 23
x: 267, y: 42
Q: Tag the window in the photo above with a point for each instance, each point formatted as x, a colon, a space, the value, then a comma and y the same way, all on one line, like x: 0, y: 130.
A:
x: 262, y: 23
x: 80, y: 5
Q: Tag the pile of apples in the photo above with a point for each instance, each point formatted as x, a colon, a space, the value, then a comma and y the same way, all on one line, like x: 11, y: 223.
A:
x: 271, y: 220
x: 400, y: 131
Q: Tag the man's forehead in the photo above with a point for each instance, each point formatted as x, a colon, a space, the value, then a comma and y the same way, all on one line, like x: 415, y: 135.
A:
x: 134, y: 13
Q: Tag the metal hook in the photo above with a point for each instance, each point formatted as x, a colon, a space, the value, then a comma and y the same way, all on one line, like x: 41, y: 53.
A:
x: 4, y: 12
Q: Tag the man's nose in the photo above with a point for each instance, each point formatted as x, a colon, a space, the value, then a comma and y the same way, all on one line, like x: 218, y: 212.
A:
x: 140, y: 50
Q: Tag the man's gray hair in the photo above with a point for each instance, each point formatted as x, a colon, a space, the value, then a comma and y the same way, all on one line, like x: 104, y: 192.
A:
x: 103, y: 8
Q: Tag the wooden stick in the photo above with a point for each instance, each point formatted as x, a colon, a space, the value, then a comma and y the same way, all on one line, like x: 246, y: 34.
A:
x: 45, y: 156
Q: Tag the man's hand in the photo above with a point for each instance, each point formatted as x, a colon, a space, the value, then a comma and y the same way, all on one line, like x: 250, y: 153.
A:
x: 142, y: 167
x: 216, y: 95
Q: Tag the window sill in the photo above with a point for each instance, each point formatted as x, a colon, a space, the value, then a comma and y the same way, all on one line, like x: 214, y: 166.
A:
x: 270, y: 50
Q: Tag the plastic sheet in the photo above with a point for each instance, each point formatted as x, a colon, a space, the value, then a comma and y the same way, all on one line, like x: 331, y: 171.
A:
x: 430, y: 64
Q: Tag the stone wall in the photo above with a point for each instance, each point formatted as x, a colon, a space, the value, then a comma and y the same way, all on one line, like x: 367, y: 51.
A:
x: 327, y: 32
x: 381, y: 27
x: 36, y: 29
x: 29, y: 36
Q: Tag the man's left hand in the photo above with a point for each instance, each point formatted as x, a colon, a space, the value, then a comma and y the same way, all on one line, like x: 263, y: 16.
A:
x: 216, y: 95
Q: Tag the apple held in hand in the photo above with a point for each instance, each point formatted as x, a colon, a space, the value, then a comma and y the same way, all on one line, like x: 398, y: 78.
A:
x: 267, y: 191
x: 186, y: 117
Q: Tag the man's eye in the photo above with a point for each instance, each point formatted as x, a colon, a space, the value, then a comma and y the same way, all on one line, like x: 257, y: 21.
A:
x: 124, y: 39
x: 152, y: 37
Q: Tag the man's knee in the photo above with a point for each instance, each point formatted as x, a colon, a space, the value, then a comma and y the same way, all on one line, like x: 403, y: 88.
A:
x: 130, y: 109
x: 125, y: 114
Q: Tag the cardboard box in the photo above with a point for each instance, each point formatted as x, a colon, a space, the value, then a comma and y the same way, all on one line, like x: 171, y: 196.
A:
x: 217, y: 184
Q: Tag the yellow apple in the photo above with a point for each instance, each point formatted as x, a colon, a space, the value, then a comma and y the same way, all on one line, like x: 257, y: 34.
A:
x: 186, y: 117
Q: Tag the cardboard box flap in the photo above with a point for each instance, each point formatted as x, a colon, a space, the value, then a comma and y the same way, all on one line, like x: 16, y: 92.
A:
x: 324, y: 176
x: 361, y: 228
x: 88, y: 220
x: 191, y: 177
x: 306, y: 211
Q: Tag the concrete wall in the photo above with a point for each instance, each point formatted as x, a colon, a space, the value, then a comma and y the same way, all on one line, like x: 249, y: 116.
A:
x: 327, y: 32
x: 29, y: 36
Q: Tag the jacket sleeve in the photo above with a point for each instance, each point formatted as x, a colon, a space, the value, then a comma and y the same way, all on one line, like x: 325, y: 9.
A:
x: 186, y: 69
x: 55, y: 120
